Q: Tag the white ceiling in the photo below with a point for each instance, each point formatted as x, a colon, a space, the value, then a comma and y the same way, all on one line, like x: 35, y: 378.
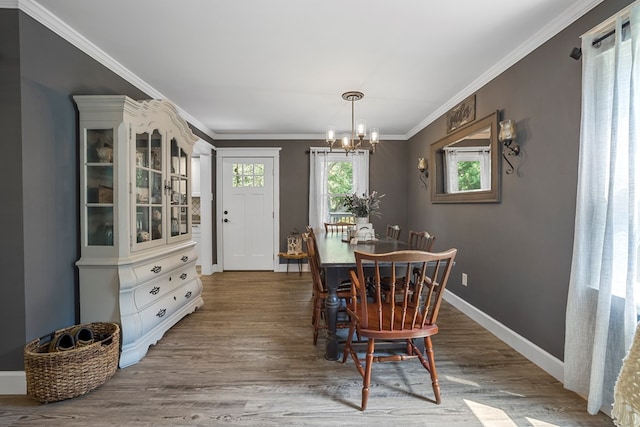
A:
x: 277, y: 68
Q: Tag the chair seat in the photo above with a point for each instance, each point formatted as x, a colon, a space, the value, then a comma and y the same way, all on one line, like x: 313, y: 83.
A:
x: 400, y: 330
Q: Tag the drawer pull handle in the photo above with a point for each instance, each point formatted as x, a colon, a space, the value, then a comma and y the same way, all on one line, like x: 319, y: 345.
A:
x: 183, y: 276
x: 187, y: 295
x: 156, y: 269
x: 184, y: 258
x: 162, y: 312
x: 154, y: 291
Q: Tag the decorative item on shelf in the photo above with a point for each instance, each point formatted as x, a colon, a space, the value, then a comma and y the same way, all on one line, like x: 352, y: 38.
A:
x: 349, y: 143
x: 506, y: 136
x: 424, y: 171
x: 143, y: 236
x: 105, y: 154
x: 294, y: 243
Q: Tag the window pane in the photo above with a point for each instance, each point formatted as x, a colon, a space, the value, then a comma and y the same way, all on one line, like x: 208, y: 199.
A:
x: 468, y: 176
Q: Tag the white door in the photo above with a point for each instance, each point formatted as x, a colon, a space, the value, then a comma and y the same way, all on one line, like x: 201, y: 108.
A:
x: 247, y: 213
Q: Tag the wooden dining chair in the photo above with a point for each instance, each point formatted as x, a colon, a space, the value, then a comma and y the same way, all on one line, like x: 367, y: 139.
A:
x: 337, y: 227
x: 421, y: 240
x: 402, y: 320
x: 320, y: 291
x: 393, y: 231
x: 418, y: 240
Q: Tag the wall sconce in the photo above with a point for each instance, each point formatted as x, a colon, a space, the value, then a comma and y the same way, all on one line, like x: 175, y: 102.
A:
x: 424, y: 171
x: 506, y: 136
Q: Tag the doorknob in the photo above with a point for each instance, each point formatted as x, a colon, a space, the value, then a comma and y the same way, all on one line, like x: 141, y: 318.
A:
x: 226, y: 220
x: 226, y: 212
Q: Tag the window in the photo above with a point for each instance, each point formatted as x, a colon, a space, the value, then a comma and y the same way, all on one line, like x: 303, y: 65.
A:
x: 332, y: 176
x: 339, y: 184
x: 467, y: 169
x: 248, y: 175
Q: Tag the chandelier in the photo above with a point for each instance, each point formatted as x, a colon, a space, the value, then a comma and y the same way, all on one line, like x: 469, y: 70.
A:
x: 349, y: 142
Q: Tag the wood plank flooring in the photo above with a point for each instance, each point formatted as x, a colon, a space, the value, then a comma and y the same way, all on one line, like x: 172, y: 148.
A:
x: 246, y: 358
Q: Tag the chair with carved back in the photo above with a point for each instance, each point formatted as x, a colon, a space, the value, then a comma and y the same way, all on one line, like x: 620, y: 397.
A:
x: 338, y: 227
x: 418, y: 240
x: 393, y: 231
x: 411, y: 316
x: 421, y: 240
x: 320, y: 291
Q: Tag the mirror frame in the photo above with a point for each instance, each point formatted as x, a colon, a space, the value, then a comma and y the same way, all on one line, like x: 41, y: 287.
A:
x: 436, y: 170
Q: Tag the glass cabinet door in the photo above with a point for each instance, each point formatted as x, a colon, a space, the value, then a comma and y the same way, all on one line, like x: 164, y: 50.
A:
x: 180, y: 171
x: 99, y: 186
x: 148, y: 187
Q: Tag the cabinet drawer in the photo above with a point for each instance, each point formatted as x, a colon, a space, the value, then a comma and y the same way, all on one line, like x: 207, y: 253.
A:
x: 148, y: 271
x: 168, y: 305
x: 157, y: 288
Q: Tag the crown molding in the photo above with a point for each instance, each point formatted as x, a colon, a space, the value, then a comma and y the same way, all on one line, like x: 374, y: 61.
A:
x: 551, y: 29
x: 290, y: 136
x: 55, y: 24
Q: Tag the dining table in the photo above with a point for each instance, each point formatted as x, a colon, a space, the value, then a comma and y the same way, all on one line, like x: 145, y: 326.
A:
x: 337, y: 258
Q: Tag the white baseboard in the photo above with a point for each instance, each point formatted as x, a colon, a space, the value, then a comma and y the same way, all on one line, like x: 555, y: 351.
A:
x: 13, y: 382
x: 293, y: 268
x: 550, y: 364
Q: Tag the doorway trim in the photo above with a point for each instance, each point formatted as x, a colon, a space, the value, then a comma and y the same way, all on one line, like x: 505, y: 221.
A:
x: 272, y: 152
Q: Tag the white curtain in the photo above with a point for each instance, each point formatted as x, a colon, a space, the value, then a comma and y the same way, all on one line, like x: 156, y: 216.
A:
x: 450, y: 171
x: 318, y: 170
x: 601, y: 305
x: 318, y: 208
x: 485, y: 170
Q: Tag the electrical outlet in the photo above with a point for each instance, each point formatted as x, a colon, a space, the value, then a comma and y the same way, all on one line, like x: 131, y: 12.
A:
x: 464, y: 279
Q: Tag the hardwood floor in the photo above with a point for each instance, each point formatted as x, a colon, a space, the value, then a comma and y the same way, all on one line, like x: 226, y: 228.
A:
x: 247, y: 358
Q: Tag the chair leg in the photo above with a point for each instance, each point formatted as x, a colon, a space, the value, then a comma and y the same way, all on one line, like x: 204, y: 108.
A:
x: 366, y: 382
x: 428, y: 348
x: 316, y: 319
x: 347, y: 344
x: 313, y: 314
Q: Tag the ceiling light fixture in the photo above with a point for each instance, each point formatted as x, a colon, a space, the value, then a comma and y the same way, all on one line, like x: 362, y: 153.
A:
x: 349, y: 143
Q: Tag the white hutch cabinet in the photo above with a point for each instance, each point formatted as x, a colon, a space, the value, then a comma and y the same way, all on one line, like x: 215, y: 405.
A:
x: 137, y: 264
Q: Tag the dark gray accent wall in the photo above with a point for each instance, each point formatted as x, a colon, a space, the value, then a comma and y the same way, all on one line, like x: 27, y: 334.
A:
x: 40, y: 227
x: 517, y: 253
x: 12, y: 301
x: 388, y: 175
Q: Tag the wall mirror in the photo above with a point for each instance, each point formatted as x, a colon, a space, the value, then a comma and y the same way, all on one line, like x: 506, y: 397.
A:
x: 464, y: 166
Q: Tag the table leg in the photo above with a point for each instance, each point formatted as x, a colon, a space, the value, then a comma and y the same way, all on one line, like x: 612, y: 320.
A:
x: 332, y: 304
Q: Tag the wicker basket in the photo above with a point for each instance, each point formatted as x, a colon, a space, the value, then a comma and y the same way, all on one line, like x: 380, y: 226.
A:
x: 54, y: 376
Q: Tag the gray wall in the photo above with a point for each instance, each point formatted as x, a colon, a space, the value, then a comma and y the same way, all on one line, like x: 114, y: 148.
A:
x: 517, y: 253
x: 387, y: 176
x: 12, y: 302
x: 40, y: 226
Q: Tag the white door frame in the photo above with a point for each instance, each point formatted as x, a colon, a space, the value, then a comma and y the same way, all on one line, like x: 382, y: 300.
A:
x: 203, y: 149
x: 274, y: 153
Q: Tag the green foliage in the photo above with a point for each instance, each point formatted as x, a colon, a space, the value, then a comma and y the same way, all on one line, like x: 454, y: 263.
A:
x: 339, y: 183
x: 362, y: 206
x: 468, y: 176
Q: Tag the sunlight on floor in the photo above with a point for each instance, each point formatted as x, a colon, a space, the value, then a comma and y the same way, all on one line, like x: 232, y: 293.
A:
x: 494, y: 417
x: 538, y: 423
x: 462, y: 381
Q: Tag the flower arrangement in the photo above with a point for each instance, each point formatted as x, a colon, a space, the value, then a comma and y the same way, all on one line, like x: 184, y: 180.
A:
x: 363, y: 206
